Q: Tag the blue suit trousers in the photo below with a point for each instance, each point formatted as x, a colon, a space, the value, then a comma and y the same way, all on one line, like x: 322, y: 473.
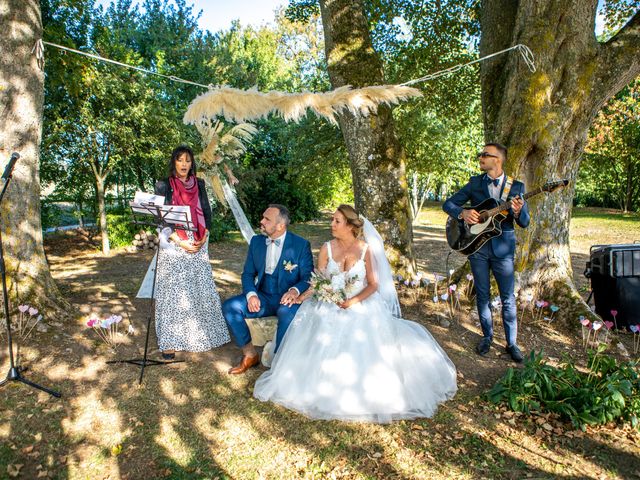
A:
x: 482, y: 262
x: 235, y: 310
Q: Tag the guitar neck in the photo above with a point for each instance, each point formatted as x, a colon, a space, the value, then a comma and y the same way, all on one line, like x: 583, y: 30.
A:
x: 506, y: 205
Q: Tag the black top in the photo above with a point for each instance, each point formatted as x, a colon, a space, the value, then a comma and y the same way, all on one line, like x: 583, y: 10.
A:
x: 163, y: 187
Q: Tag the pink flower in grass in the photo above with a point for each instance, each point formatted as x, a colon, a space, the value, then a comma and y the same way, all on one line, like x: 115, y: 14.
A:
x: 33, y: 311
x: 608, y: 324
x: 93, y: 322
x: 23, y: 308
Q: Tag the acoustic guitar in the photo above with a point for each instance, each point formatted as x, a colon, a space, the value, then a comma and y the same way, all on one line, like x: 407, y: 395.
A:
x: 468, y: 239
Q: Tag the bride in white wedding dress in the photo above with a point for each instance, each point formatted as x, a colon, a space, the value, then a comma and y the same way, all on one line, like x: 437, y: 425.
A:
x: 358, y: 361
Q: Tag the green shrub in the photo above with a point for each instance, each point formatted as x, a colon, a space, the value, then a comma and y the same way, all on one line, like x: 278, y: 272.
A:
x: 50, y: 214
x: 221, y: 224
x: 609, y: 391
x: 121, y: 229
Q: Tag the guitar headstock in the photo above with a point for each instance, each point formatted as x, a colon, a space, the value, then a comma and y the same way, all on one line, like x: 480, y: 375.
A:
x: 555, y: 185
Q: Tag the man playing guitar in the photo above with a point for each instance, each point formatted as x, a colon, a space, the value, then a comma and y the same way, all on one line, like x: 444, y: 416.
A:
x: 496, y: 255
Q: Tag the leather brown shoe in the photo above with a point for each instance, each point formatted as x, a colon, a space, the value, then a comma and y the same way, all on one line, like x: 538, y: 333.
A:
x: 246, y: 363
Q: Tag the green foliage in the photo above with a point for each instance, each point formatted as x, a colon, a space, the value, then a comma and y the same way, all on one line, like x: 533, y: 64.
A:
x: 609, y: 391
x: 610, y: 172
x: 441, y: 131
x: 221, y: 224
x: 121, y: 229
x: 50, y: 214
x: 266, y: 179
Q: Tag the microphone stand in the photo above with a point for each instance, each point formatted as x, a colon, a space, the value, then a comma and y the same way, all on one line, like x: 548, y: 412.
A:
x: 14, y: 374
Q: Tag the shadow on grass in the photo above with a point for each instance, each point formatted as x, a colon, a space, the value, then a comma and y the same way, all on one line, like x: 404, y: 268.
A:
x: 192, y: 420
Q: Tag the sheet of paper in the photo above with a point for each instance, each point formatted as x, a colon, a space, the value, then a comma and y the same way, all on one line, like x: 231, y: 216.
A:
x: 144, y: 197
x: 148, y: 203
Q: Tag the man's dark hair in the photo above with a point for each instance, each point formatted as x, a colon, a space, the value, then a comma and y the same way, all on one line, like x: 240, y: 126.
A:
x: 498, y: 146
x: 283, y: 212
x: 177, y: 152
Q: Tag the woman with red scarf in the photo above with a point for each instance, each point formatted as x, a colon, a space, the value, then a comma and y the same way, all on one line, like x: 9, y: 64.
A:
x: 188, y: 313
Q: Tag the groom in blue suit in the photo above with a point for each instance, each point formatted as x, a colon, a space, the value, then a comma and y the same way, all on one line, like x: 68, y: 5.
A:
x: 277, y: 270
x: 497, y: 254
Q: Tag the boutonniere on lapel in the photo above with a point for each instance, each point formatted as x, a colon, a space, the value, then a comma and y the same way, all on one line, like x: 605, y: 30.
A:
x: 288, y: 266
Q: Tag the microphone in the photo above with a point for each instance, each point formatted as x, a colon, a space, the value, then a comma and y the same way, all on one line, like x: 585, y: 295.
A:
x: 9, y: 168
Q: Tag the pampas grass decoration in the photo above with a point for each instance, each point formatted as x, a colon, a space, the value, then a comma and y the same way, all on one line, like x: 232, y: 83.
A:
x: 216, y: 186
x: 239, y: 106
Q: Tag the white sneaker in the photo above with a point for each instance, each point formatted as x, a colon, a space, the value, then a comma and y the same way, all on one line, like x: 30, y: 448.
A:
x: 267, y: 354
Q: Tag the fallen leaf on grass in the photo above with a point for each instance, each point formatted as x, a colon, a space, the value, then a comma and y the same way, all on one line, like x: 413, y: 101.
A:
x: 415, y: 426
x: 547, y: 427
x: 116, y: 450
x: 43, y: 473
x: 14, y: 470
x: 27, y: 449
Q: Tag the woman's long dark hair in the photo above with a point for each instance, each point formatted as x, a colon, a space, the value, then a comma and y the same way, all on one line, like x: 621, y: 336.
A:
x: 177, y: 152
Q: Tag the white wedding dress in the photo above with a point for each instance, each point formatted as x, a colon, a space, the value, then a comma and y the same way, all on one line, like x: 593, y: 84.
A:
x: 357, y: 364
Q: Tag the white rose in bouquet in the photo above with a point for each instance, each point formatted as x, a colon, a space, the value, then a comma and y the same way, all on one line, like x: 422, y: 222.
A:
x: 338, y: 283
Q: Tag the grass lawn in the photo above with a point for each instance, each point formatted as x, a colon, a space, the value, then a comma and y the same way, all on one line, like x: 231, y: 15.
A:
x: 193, y: 421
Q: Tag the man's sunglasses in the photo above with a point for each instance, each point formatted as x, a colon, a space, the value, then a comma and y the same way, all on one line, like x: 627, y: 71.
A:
x: 486, y: 155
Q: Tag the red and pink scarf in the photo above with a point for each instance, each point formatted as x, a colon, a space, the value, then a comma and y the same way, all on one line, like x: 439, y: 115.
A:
x: 186, y: 194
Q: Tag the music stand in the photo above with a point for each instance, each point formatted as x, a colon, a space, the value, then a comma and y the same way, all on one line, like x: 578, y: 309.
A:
x: 14, y: 371
x: 178, y: 217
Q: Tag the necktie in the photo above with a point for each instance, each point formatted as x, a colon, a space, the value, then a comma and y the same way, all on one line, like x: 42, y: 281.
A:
x: 276, y: 241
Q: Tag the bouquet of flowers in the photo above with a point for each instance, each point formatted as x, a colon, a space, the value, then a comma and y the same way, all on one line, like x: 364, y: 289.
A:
x: 331, y: 288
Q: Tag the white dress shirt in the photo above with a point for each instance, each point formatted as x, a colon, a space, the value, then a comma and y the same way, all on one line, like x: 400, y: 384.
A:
x: 494, y: 190
x: 273, y: 255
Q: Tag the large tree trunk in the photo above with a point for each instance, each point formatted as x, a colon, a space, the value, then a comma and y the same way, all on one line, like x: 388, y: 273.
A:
x: 544, y: 117
x: 377, y: 160
x: 21, y: 101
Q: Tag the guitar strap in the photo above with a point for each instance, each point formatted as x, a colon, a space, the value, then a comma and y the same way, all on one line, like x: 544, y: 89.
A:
x: 508, y: 181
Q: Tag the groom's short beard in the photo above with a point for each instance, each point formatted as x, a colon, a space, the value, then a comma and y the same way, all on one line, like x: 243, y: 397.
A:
x: 265, y: 231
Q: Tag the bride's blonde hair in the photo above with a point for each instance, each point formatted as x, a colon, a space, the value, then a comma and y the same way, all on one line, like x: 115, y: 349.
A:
x: 353, y: 219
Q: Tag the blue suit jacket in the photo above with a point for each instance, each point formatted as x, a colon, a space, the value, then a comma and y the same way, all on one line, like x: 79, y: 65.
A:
x: 296, y: 250
x: 477, y: 191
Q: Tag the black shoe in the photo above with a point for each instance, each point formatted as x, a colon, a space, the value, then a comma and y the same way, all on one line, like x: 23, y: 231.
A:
x: 168, y: 356
x: 516, y: 354
x: 484, y: 346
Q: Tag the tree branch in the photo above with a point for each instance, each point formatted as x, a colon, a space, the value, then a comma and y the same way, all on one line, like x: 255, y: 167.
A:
x: 621, y: 62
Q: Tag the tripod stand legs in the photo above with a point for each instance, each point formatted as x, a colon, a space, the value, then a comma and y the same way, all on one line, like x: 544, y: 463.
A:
x: 14, y: 375
x: 144, y: 361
